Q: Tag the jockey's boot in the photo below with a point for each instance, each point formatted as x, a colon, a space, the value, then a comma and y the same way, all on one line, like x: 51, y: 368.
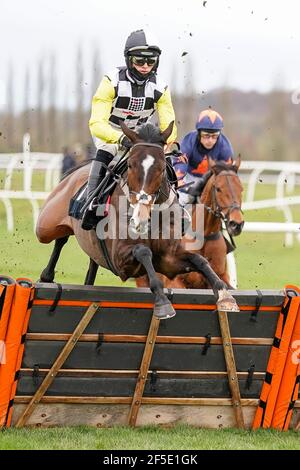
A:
x: 97, y: 174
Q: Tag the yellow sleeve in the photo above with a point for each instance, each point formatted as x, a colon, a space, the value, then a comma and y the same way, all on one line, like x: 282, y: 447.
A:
x: 101, y: 109
x: 166, y: 114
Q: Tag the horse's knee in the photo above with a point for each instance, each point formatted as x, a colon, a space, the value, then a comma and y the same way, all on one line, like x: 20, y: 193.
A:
x: 141, y: 251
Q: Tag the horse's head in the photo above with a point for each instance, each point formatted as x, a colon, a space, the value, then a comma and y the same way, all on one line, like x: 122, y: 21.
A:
x: 226, y: 195
x: 146, y: 171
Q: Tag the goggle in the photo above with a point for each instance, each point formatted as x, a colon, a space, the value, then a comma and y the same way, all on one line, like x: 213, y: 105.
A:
x: 142, y: 60
x: 206, y: 135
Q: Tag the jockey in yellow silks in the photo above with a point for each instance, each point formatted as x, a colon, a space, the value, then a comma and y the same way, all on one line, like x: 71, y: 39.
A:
x: 131, y: 95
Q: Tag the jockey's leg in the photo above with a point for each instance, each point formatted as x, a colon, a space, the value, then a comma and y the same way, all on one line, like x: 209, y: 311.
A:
x: 97, y: 173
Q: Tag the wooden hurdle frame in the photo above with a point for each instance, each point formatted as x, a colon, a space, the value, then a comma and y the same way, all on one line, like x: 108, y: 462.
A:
x: 232, y: 409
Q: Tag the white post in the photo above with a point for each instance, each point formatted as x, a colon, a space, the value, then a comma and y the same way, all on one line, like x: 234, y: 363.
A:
x: 231, y: 270
x: 26, y: 162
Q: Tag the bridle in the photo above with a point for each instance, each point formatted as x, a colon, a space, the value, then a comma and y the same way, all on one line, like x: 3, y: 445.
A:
x: 217, y: 210
x: 141, y: 196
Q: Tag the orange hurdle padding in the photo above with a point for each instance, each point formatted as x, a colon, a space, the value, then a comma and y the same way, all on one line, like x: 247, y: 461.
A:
x: 14, y: 345
x: 289, y: 387
x: 268, y: 397
x: 7, y: 289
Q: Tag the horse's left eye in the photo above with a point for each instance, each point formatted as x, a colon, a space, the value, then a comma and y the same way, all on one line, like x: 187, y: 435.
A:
x: 218, y: 189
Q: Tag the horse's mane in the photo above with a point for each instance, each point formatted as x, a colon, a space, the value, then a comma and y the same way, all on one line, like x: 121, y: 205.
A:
x: 223, y: 166
x: 150, y: 133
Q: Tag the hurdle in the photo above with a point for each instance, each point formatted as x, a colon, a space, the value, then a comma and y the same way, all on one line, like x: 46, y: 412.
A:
x: 122, y: 366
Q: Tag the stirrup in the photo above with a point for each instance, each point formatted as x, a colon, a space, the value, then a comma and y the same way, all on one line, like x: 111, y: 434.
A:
x: 89, y: 218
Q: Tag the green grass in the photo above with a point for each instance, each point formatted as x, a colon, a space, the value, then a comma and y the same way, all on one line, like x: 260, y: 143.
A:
x: 263, y: 260
x: 147, y: 438
x: 21, y: 254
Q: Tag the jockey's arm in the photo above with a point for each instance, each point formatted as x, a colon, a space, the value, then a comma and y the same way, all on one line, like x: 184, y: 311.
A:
x: 101, y: 109
x: 166, y: 114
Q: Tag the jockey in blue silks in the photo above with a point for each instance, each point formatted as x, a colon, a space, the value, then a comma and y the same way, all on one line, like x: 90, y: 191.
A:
x: 196, y: 147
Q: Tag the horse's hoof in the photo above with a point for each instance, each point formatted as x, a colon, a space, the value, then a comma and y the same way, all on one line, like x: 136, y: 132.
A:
x: 46, y: 277
x: 163, y: 312
x: 226, y: 302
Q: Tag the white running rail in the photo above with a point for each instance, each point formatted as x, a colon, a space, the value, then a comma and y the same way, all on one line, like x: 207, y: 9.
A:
x: 284, y: 175
x: 29, y: 163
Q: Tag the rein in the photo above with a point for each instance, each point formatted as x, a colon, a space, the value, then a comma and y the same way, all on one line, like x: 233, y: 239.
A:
x: 217, y: 210
x: 142, y: 197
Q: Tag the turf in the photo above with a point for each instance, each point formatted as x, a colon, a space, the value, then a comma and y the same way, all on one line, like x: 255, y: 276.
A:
x: 147, y: 438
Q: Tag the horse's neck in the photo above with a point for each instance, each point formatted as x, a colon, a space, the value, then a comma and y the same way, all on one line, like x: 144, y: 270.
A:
x: 212, y: 223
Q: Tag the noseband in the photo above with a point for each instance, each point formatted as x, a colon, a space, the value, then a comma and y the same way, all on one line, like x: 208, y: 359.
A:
x: 216, y: 209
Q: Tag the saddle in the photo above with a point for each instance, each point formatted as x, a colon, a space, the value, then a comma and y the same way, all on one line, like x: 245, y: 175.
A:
x: 105, y: 190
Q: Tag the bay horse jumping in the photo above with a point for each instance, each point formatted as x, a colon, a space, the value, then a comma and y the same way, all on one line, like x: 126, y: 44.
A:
x: 144, y: 185
x: 221, y: 200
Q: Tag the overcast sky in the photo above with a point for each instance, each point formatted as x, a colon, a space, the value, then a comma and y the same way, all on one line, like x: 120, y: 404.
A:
x: 251, y: 44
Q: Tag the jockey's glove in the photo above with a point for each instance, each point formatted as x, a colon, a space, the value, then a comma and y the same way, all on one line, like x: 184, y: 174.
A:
x: 124, y: 142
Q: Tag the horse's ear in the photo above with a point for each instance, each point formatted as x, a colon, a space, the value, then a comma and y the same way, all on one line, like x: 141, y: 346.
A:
x: 167, y: 132
x: 211, y: 164
x: 237, y: 162
x: 129, y: 133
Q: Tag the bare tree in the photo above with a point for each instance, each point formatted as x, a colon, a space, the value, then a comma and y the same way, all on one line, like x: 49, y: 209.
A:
x: 51, y: 121
x: 96, y: 71
x: 40, y: 128
x: 79, y: 96
x: 65, y: 126
x: 189, y: 109
x: 9, y: 115
x: 26, y: 105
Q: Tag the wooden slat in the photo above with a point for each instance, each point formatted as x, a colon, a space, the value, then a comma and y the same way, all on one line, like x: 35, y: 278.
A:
x: 142, y: 339
x: 85, y: 320
x: 231, y: 368
x: 145, y: 364
x: 108, y: 415
x: 144, y: 400
x: 133, y: 373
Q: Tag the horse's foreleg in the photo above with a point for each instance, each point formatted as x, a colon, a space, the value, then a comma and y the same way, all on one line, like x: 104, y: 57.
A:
x: 48, y: 273
x: 162, y: 306
x: 225, y: 301
x: 91, y: 273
